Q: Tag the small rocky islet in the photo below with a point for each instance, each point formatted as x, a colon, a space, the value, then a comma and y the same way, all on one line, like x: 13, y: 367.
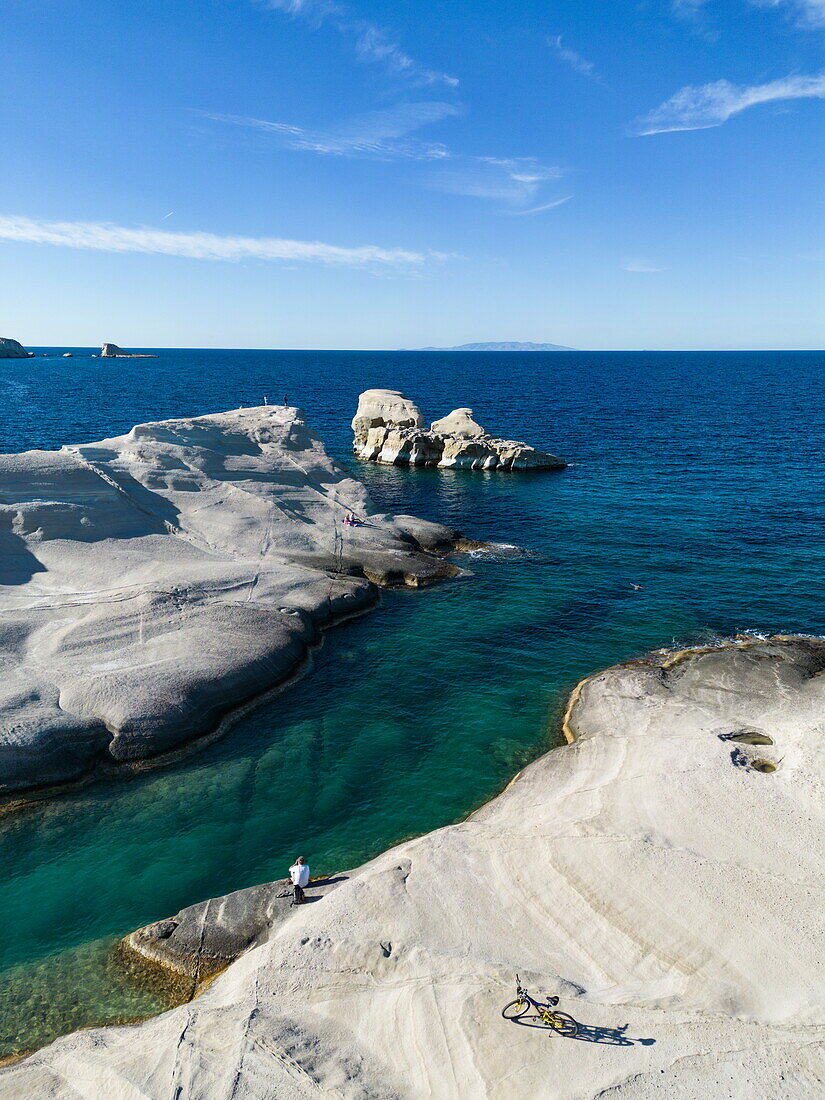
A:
x: 388, y: 427
x: 13, y: 349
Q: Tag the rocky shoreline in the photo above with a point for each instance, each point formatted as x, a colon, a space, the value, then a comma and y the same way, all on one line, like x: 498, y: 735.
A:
x: 152, y: 583
x: 651, y: 872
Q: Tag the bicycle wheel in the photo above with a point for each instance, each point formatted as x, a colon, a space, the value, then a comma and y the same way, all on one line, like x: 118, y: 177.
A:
x: 563, y: 1024
x: 515, y: 1009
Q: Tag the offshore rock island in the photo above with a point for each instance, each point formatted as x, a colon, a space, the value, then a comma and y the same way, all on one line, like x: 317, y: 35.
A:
x: 389, y: 428
x: 112, y: 351
x: 647, y: 873
x: 152, y: 582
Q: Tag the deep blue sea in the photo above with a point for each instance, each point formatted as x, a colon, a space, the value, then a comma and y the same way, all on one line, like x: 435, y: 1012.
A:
x: 697, y: 476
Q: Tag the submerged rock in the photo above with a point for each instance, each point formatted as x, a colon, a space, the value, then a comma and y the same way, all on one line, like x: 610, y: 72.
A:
x: 388, y: 428
x: 12, y: 349
x: 670, y: 896
x: 152, y: 582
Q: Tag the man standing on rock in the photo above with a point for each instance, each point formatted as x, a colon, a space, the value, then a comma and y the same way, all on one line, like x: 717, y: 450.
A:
x: 299, y: 874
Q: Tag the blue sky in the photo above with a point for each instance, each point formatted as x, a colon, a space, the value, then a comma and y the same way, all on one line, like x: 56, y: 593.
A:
x: 365, y: 174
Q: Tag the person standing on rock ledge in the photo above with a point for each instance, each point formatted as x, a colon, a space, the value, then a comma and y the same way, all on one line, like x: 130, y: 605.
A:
x: 299, y: 874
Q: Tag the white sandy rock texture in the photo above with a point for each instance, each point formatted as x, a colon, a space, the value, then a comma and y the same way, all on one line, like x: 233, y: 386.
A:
x: 151, y: 582
x: 388, y: 428
x: 652, y: 874
x: 11, y: 349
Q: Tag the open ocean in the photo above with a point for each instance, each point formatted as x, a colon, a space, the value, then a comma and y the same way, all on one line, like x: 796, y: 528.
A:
x: 698, y: 476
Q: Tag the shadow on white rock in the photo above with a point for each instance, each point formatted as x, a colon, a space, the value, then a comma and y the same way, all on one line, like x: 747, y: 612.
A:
x: 151, y: 583
x: 388, y: 428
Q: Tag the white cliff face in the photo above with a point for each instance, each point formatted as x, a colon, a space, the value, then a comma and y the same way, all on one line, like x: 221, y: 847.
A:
x: 388, y: 428
x: 377, y: 408
x: 654, y: 874
x: 11, y: 349
x: 151, y: 582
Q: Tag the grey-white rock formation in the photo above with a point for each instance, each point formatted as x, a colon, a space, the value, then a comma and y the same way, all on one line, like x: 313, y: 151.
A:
x: 388, y: 428
x: 151, y: 582
x: 459, y: 422
x: 12, y: 349
x: 112, y: 351
x: 654, y: 873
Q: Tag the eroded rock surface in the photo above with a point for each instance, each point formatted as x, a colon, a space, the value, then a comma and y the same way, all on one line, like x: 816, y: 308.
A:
x: 388, y: 428
x: 671, y: 896
x: 11, y: 349
x: 151, y: 582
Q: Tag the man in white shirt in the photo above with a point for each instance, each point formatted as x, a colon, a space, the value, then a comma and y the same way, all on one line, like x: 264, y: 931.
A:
x: 299, y: 875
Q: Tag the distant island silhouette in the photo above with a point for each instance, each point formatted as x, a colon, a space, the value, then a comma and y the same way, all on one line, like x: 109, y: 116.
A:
x: 507, y: 345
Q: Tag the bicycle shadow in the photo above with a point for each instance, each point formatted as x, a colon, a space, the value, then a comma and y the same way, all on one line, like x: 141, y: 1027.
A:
x: 590, y: 1033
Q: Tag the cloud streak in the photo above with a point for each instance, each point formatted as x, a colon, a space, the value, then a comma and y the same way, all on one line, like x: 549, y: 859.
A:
x: 105, y: 237
x: 378, y: 135
x: 570, y: 57
x: 543, y: 207
x: 514, y: 180
x: 708, y: 105
x: 809, y: 13
x: 383, y: 135
x: 371, y: 42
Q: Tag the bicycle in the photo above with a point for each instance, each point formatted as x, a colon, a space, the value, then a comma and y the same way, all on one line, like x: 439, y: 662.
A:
x: 520, y: 1009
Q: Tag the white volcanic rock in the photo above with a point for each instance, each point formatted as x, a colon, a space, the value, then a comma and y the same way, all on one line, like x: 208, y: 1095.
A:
x: 459, y: 422
x: 651, y: 873
x: 377, y: 408
x: 151, y: 582
x: 388, y: 428
x: 112, y: 351
x: 11, y: 349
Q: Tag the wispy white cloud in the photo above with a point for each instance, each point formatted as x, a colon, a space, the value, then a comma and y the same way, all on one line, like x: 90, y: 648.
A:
x: 698, y: 108
x: 380, y: 135
x: 371, y: 42
x: 543, y: 207
x: 807, y: 13
x: 641, y: 267
x: 571, y: 58
x: 105, y: 237
x: 383, y: 135
x: 514, y: 180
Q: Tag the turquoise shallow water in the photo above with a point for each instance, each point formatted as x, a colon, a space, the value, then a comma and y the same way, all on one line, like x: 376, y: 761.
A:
x: 698, y: 477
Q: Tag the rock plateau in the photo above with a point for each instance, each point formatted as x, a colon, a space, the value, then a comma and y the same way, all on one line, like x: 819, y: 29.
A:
x: 656, y: 873
x: 389, y: 428
x: 151, y: 582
